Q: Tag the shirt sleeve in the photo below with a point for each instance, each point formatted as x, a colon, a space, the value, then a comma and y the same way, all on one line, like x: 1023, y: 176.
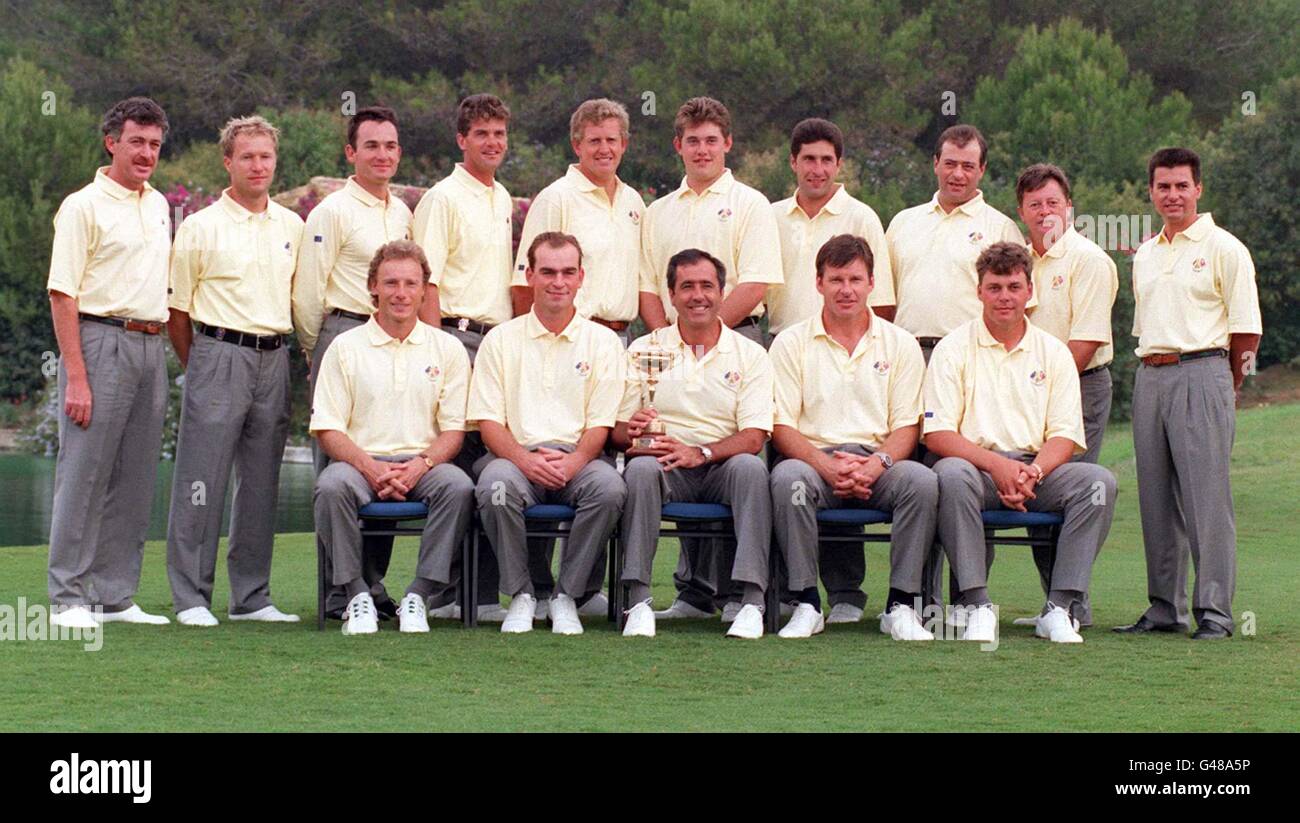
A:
x: 882, y: 272
x: 545, y: 213
x: 186, y: 266
x: 432, y: 229
x: 455, y: 387
x: 1092, y: 293
x: 631, y: 401
x: 1064, y: 401
x: 754, y: 400
x: 316, y: 259
x: 758, y: 246
x: 609, y: 376
x: 487, y: 396
x: 787, y: 380
x: 1236, y: 273
x: 905, y: 407
x: 943, y: 389
x: 331, y: 407
x: 74, y: 240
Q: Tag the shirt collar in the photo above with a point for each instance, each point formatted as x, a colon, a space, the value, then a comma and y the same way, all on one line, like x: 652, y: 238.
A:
x: 1196, y: 232
x: 115, y: 189
x: 471, y: 182
x: 582, y: 182
x: 970, y: 208
x: 720, y: 186
x: 378, y: 337
x: 670, y: 338
x: 533, y: 325
x: 1058, y: 248
x: 836, y: 205
x: 240, y: 214
x: 354, y: 188
x: 819, y: 329
x: 986, y: 337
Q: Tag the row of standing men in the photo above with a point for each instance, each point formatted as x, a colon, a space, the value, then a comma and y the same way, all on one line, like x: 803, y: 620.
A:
x: 244, y: 272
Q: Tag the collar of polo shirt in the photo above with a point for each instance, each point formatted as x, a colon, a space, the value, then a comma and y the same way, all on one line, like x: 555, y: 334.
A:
x: 720, y: 186
x: 469, y: 181
x: 533, y: 325
x: 836, y: 205
x: 115, y: 189
x: 378, y: 337
x: 354, y: 188
x: 1196, y: 232
x: 986, y: 338
x: 1058, y: 248
x: 819, y: 327
x: 240, y: 214
x: 670, y: 337
x: 969, y: 208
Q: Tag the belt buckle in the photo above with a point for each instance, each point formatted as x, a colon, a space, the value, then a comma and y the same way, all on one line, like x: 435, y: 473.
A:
x: 463, y: 324
x: 220, y: 334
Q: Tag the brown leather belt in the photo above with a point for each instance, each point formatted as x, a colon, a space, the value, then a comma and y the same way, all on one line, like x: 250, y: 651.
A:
x: 615, y: 325
x: 1158, y: 360
x: 145, y: 326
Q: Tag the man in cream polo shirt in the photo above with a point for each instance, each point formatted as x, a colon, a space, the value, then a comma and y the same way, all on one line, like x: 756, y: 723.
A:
x: 545, y: 393
x: 933, y: 246
x: 330, y: 294
x: 1003, y: 417
x: 1075, y: 283
x: 108, y: 299
x: 715, y: 404
x: 713, y: 212
x: 390, y: 413
x: 604, y: 213
x: 1196, y: 316
x: 231, y: 273
x: 848, y: 413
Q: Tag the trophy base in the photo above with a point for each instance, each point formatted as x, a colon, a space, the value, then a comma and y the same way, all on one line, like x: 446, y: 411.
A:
x: 645, y: 441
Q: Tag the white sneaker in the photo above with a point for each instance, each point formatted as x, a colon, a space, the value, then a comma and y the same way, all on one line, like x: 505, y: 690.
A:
x: 597, y: 606
x: 519, y: 617
x: 903, y: 623
x: 806, y: 622
x: 844, y: 613
x: 955, y: 616
x: 412, y: 614
x: 196, y: 616
x: 135, y: 614
x: 564, y: 615
x: 73, y: 617
x: 542, y: 610
x: 266, y: 614
x: 1057, y: 626
x: 359, y: 617
x: 981, y: 625
x: 640, y: 621
x: 680, y: 609
x: 748, y: 624
x: 730, y: 611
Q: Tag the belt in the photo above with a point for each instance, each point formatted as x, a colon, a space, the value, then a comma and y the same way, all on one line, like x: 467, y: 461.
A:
x: 748, y: 321
x: 351, y: 315
x: 465, y: 324
x: 1157, y: 360
x: 1087, y: 372
x: 146, y: 326
x: 928, y: 342
x: 266, y: 342
x: 616, y: 325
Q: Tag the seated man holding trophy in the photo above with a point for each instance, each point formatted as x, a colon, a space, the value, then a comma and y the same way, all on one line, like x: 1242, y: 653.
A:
x: 696, y: 412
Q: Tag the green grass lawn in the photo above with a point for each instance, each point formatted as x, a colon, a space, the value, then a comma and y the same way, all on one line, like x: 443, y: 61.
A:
x: 290, y: 677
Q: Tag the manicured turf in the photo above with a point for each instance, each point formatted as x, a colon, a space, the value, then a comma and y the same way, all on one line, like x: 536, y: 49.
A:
x: 250, y: 677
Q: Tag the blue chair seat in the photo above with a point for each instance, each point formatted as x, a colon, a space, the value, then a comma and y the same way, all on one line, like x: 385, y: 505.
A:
x: 394, y: 510
x: 696, y: 511
x: 854, y: 517
x: 1004, y: 519
x: 550, y: 511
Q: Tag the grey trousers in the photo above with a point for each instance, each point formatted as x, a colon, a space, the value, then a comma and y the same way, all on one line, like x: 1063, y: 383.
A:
x: 503, y: 492
x: 1184, y: 422
x: 1096, y: 391
x: 909, y: 490
x: 341, y: 490
x: 1083, y: 493
x: 104, y: 476
x: 234, y: 414
x: 741, y: 482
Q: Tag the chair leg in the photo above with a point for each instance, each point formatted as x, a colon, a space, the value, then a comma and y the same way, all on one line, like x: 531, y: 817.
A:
x: 612, y: 609
x: 618, y: 593
x: 469, y: 579
x: 772, y: 597
x: 466, y: 557
x: 320, y: 585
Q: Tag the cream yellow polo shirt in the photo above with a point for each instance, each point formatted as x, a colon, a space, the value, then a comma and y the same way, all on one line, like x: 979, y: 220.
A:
x: 547, y: 387
x: 1003, y: 400
x: 705, y: 399
x: 610, y: 236
x: 465, y: 231
x: 342, y: 234
x: 730, y: 221
x: 1075, y: 284
x: 797, y: 299
x: 1190, y: 294
x: 392, y: 396
x: 833, y: 396
x: 234, y: 269
x: 110, y: 250
x: 933, y: 257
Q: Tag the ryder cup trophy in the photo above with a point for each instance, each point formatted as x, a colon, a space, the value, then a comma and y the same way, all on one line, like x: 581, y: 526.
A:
x: 651, y: 363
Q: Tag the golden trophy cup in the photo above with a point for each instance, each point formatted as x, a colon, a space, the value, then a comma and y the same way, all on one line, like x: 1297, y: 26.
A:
x: 651, y: 363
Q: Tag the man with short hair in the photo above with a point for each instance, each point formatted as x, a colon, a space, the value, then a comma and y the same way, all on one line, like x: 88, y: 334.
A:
x: 545, y: 394
x: 1003, y: 417
x: 1195, y: 305
x: 848, y: 412
x: 1075, y: 283
x: 933, y: 246
x: 713, y: 212
x: 330, y: 294
x: 604, y: 213
x: 819, y: 210
x: 390, y: 413
x: 108, y: 300
x: 715, y: 404
x: 231, y: 274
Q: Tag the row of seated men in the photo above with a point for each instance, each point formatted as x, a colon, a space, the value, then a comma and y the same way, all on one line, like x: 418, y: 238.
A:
x: 244, y: 272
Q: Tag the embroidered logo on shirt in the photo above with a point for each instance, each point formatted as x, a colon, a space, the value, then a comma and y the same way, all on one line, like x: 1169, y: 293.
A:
x: 433, y: 372
x: 1058, y: 281
x: 582, y: 367
x: 1038, y: 377
x: 732, y: 379
x: 1199, y: 264
x: 724, y: 214
x: 318, y: 239
x: 881, y: 367
x: 975, y: 236
x: 636, y: 218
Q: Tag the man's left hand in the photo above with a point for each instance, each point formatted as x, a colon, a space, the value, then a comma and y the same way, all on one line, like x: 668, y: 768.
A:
x: 678, y: 455
x: 403, y: 478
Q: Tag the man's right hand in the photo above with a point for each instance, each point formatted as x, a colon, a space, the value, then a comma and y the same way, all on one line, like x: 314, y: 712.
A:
x: 541, y: 471
x: 77, y: 401
x: 377, y: 474
x: 1006, y: 476
x: 637, y: 424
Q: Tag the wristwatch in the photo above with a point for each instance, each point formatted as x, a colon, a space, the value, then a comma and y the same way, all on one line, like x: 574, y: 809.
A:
x: 707, y: 452
x: 1038, y: 470
x: 885, y: 460
x: 427, y: 462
